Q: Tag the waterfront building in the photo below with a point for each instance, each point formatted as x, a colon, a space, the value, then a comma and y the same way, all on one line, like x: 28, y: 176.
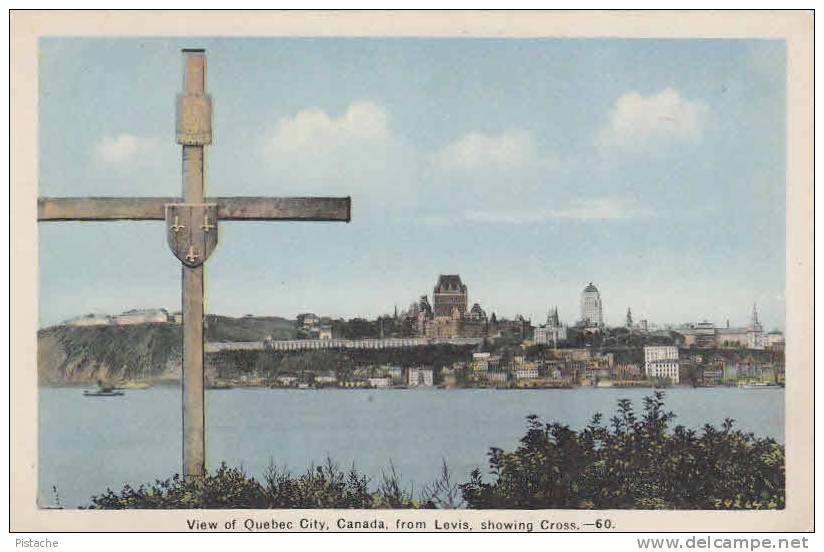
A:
x: 750, y: 370
x: 420, y: 377
x: 485, y: 362
x: 592, y: 309
x: 730, y: 372
x: 480, y: 362
x: 497, y: 377
x: 395, y: 373
x: 712, y: 376
x: 287, y: 381
x: 379, y: 383
x: 326, y: 378
x: 452, y: 376
x: 661, y: 362
x: 627, y: 372
x: 597, y: 372
x: 527, y: 370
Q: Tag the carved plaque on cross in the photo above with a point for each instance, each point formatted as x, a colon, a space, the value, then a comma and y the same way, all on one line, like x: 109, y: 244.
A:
x: 191, y: 230
x: 194, y: 120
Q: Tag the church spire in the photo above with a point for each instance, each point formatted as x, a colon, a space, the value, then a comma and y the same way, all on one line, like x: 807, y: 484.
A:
x: 552, y: 319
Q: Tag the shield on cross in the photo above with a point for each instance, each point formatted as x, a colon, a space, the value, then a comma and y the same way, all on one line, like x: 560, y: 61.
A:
x: 191, y: 230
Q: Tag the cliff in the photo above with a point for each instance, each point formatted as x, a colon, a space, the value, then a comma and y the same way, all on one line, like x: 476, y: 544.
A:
x: 142, y: 352
x: 67, y: 354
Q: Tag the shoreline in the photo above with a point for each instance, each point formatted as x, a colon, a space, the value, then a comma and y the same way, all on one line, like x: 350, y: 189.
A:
x: 226, y: 386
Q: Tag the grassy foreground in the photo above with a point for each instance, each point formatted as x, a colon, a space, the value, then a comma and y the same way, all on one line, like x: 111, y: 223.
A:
x: 632, y: 462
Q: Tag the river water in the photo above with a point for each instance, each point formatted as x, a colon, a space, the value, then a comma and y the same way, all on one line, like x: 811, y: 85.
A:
x: 87, y: 444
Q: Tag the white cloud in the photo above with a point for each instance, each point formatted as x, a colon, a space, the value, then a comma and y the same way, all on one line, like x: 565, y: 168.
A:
x: 639, y: 122
x: 313, y: 144
x: 594, y: 209
x: 126, y: 149
x: 507, y: 150
x: 313, y: 129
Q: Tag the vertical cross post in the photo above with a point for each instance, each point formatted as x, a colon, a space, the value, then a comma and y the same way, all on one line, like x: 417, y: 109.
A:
x: 194, y: 432
x: 191, y: 230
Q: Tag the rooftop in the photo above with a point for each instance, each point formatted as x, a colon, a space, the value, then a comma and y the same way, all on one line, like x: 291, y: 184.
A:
x: 449, y: 281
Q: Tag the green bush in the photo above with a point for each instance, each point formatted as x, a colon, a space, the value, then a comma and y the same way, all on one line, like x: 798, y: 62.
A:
x: 635, y: 463
x: 325, y: 486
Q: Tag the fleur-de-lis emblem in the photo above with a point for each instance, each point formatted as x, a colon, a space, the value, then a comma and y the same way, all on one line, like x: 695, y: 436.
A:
x: 192, y: 230
x: 177, y: 227
x: 192, y: 255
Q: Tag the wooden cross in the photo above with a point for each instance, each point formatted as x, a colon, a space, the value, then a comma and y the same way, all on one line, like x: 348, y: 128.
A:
x: 189, y: 222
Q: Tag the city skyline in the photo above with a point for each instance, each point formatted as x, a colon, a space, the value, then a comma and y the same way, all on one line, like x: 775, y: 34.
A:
x: 398, y: 309
x: 493, y: 159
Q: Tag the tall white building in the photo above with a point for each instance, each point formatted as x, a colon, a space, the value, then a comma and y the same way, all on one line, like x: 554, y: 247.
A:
x: 592, y: 310
x: 661, y: 362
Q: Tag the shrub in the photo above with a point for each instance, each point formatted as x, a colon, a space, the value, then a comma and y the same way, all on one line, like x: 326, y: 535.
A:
x: 324, y: 486
x: 635, y: 462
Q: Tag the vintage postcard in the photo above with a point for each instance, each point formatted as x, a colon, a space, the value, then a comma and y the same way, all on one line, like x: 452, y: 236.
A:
x: 420, y: 271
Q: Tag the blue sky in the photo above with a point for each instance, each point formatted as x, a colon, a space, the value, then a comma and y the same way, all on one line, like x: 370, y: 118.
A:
x: 653, y: 168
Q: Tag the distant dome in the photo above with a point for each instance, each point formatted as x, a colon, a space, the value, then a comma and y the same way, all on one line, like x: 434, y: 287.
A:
x: 590, y: 288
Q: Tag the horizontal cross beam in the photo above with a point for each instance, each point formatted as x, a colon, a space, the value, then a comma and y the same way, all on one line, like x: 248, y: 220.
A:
x: 229, y: 208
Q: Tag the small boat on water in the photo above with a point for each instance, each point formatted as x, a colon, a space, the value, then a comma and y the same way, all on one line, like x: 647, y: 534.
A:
x: 103, y: 391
